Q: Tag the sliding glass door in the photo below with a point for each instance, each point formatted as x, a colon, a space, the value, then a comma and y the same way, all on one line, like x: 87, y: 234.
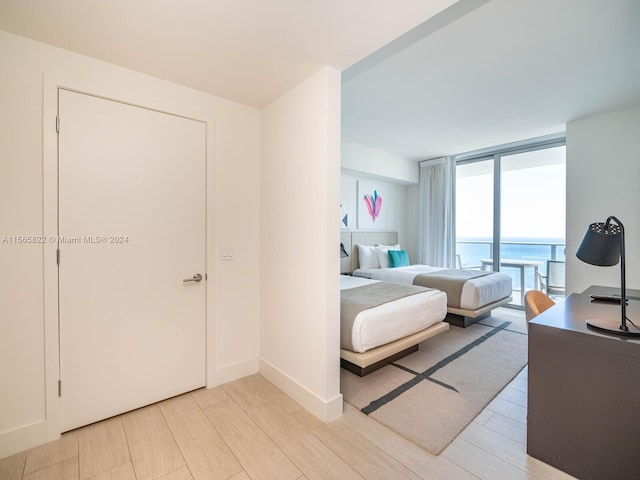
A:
x: 510, y: 215
x: 532, y: 219
x: 474, y: 214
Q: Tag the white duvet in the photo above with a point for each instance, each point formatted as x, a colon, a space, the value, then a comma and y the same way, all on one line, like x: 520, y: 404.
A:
x: 476, y: 292
x: 394, y: 320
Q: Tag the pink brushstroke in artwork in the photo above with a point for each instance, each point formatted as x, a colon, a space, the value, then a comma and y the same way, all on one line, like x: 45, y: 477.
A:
x: 374, y: 205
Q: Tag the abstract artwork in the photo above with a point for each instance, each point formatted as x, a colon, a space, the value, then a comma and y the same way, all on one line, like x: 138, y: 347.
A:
x: 371, y: 213
x: 345, y: 218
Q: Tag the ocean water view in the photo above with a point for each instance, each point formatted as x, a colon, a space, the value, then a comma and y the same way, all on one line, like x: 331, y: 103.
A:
x: 472, y: 251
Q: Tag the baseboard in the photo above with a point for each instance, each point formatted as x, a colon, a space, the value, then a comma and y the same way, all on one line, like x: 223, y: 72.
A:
x: 23, y: 438
x: 325, y: 410
x: 233, y: 372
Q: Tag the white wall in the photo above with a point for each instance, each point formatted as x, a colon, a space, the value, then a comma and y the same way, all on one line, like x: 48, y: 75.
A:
x: 299, y: 326
x: 413, y: 203
x: 603, y: 179
x: 359, y: 159
x: 394, y: 206
x: 398, y: 175
x: 29, y: 406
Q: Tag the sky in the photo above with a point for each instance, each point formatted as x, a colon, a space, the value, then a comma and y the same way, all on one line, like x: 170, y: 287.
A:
x: 533, y: 201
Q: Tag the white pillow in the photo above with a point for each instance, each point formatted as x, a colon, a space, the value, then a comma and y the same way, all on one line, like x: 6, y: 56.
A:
x: 367, y: 256
x: 383, y: 256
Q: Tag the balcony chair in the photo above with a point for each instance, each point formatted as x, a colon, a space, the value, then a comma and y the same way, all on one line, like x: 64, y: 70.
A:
x: 553, y: 282
x: 460, y: 266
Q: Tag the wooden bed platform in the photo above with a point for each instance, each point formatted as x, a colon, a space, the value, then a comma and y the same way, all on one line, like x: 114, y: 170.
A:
x: 364, y: 363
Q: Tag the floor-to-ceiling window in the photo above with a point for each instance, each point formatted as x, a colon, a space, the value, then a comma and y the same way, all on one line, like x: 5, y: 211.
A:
x: 510, y: 214
x: 474, y: 212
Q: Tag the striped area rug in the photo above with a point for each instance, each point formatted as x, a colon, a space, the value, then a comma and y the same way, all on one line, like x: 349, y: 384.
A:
x: 429, y: 396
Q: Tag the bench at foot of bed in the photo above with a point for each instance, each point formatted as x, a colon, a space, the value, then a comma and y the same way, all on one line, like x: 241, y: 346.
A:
x: 461, y: 317
x: 364, y: 363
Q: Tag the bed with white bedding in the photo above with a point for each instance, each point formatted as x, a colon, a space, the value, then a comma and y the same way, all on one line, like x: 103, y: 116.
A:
x: 381, y: 322
x: 472, y: 295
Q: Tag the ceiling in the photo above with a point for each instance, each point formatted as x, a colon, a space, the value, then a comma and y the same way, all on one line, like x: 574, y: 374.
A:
x: 250, y: 51
x: 509, y: 70
x: 421, y: 79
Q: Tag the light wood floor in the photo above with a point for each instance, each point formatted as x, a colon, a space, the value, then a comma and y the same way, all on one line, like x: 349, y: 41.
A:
x: 248, y: 429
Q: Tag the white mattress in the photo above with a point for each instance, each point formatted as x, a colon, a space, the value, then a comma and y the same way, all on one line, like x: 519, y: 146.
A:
x: 476, y: 292
x: 389, y: 322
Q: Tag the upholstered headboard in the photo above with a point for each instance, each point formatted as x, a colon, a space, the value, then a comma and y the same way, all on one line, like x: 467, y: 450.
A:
x: 367, y: 238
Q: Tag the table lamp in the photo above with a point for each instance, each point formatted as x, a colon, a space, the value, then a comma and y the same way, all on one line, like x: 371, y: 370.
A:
x: 603, y: 245
x: 343, y: 251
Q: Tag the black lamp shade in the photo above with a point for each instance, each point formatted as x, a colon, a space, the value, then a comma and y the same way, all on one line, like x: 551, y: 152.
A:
x: 601, y: 245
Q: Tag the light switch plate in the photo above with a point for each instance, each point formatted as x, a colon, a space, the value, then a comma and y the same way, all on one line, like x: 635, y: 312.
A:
x: 227, y: 253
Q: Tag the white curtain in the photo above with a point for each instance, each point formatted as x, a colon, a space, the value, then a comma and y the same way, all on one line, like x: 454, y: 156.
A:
x: 436, y: 213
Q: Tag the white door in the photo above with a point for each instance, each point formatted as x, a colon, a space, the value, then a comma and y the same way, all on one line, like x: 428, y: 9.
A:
x: 132, y: 228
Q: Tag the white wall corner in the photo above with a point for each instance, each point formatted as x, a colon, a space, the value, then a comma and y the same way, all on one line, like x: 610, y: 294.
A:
x: 230, y: 373
x: 325, y: 410
x: 300, y: 204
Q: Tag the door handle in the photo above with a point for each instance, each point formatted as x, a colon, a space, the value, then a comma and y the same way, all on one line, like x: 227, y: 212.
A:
x: 196, y: 278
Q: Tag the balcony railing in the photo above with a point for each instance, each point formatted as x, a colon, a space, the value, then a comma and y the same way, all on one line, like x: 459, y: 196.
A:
x: 477, y: 254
